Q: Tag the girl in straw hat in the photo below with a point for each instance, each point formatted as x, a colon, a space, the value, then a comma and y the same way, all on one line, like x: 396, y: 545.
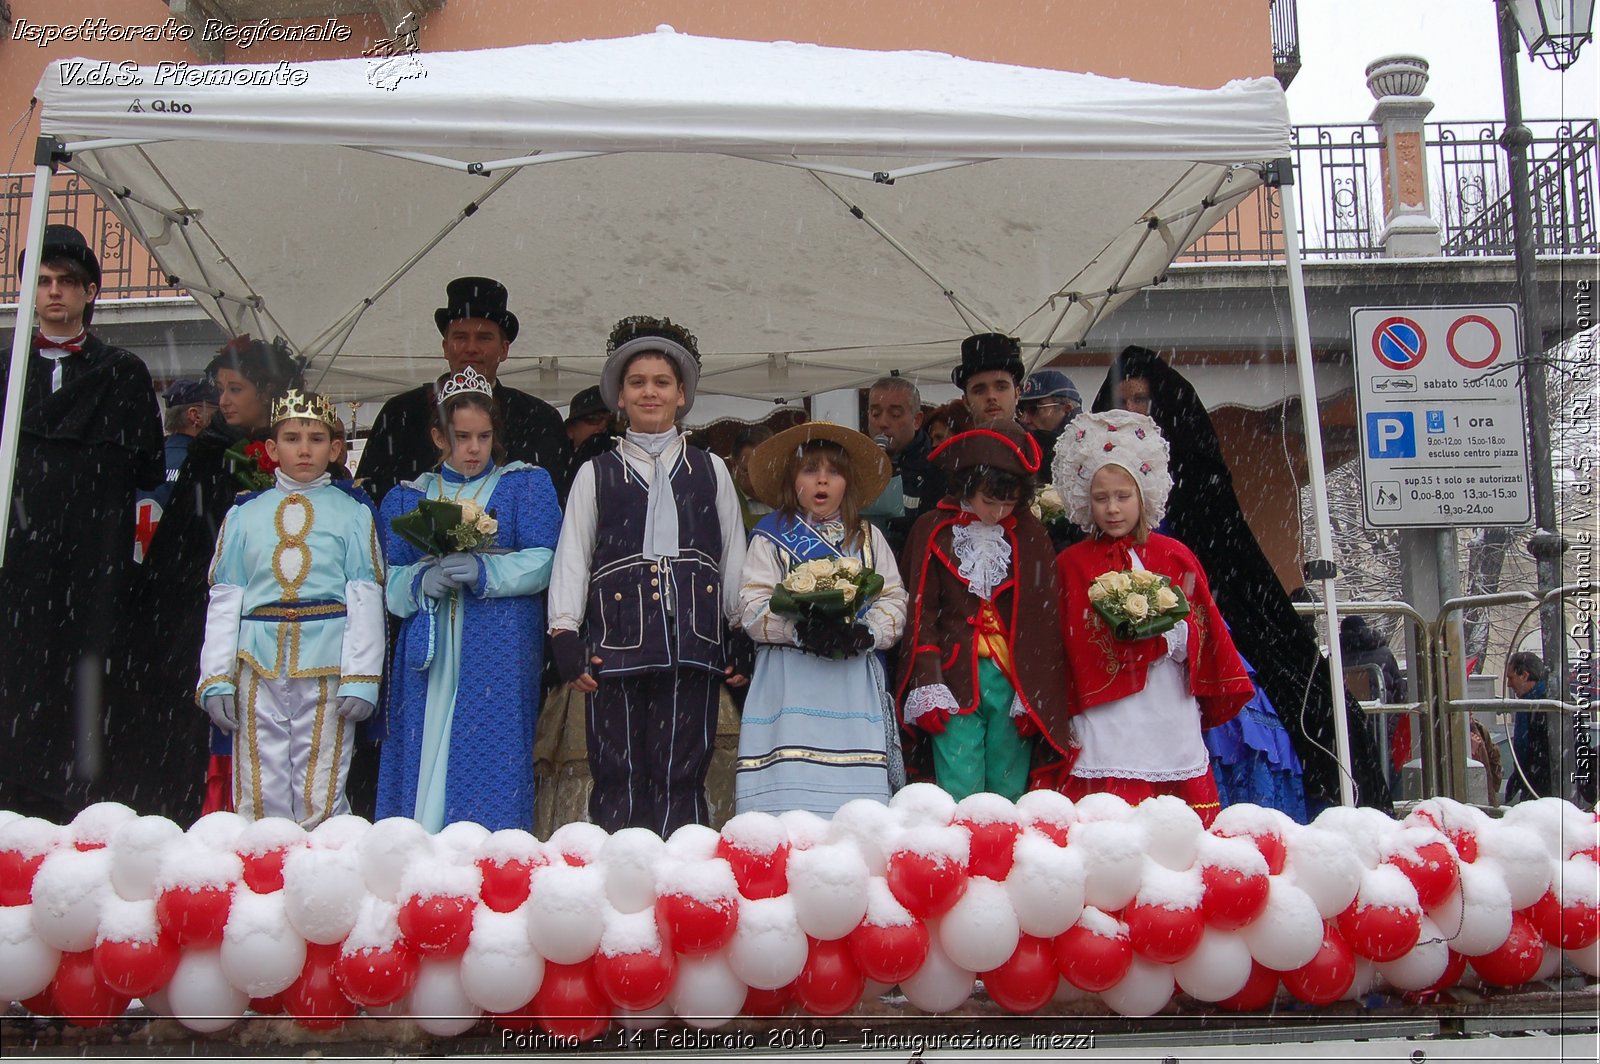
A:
x: 1139, y: 704
x: 818, y: 727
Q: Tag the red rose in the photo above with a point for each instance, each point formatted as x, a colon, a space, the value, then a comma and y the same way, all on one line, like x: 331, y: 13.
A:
x: 258, y: 451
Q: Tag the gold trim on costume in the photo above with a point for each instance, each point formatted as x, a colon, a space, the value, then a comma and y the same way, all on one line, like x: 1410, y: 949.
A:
x: 298, y: 613
x: 808, y: 753
x: 255, y: 751
x: 199, y: 700
x: 296, y: 542
x: 357, y: 677
x: 333, y: 769
x: 316, y: 739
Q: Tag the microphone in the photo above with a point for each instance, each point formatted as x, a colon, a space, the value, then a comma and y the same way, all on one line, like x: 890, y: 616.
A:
x: 881, y: 442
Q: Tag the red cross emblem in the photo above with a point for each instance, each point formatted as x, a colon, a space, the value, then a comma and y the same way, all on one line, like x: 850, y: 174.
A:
x: 146, y: 516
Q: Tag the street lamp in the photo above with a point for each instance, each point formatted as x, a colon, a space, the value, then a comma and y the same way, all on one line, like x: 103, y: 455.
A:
x: 1554, y: 31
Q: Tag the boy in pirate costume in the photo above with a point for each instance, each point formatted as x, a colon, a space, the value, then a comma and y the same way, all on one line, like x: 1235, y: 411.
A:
x: 982, y: 670
x: 295, y: 628
x: 645, y: 585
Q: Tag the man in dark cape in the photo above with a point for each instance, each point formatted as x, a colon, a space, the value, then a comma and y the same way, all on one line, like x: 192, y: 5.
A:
x: 91, y: 436
x: 1204, y: 515
x: 477, y: 331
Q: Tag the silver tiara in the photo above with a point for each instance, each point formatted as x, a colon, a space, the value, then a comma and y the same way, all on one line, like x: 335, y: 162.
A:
x: 468, y: 380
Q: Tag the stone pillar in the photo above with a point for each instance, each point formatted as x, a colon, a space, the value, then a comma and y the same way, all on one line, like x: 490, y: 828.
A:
x: 1396, y: 82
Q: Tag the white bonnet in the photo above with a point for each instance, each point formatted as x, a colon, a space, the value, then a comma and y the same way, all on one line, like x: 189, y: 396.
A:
x: 1113, y: 437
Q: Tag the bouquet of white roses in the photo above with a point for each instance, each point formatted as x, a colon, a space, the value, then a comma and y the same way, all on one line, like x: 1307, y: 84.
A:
x: 440, y: 526
x: 834, y: 588
x: 1137, y: 603
x: 1051, y: 511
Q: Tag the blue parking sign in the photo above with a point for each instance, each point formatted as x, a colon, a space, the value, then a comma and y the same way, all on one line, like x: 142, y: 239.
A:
x: 1391, y: 435
x: 1435, y: 422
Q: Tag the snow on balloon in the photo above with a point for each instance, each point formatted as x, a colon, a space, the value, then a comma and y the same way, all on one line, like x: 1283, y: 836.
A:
x: 1039, y: 901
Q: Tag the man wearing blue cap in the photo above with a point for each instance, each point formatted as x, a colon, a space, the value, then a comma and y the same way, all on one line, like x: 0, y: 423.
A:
x: 1048, y: 401
x: 190, y: 406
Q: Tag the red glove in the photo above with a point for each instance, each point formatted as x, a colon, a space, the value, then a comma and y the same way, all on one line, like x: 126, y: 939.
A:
x: 933, y: 721
x: 1027, y: 727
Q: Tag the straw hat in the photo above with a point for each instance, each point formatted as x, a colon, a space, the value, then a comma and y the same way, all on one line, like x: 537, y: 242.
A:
x: 870, y: 466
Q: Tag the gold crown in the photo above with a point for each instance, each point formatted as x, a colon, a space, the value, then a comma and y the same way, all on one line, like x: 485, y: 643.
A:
x: 468, y: 380
x: 308, y: 405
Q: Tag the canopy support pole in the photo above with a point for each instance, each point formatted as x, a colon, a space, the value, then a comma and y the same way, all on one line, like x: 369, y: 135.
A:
x: 1281, y: 176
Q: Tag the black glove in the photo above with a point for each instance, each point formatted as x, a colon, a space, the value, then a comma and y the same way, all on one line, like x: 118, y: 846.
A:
x: 829, y: 640
x: 568, y: 655
x: 741, y: 653
x: 861, y: 638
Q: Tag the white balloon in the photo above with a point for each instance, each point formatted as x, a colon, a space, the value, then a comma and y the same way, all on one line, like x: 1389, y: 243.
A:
x: 1325, y: 866
x: 27, y: 962
x: 1218, y: 968
x: 1475, y: 918
x: 1045, y: 885
x: 1173, y: 829
x: 806, y: 829
x: 96, y: 824
x: 1549, y: 965
x: 200, y: 996
x: 500, y: 972
x: 1555, y: 821
x: 1144, y: 991
x: 923, y: 805
x: 1066, y: 993
x: 1364, y: 833
x: 322, y: 892
x: 337, y: 832
x: 387, y: 849
x: 67, y: 893
x: 768, y: 948
x: 706, y: 994
x: 219, y: 830
x: 1102, y: 806
x: 1522, y: 858
x: 438, y: 1003
x: 939, y: 985
x: 1113, y: 858
x: 828, y: 885
x: 872, y: 826
x: 1586, y: 960
x: 1047, y: 807
x: 1423, y: 965
x: 693, y: 842
x: 565, y: 911
x: 261, y: 954
x: 630, y: 858
x: 579, y: 838
x: 1288, y: 933
x: 460, y: 841
x: 980, y: 931
x: 1366, y: 978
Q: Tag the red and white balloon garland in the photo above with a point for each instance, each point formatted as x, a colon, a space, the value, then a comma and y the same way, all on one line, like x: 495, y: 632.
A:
x: 1042, y: 900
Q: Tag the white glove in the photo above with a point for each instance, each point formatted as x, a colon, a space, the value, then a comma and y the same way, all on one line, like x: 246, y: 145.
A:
x: 461, y: 567
x: 355, y: 709
x: 436, y: 583
x: 1177, y: 638
x: 221, y: 710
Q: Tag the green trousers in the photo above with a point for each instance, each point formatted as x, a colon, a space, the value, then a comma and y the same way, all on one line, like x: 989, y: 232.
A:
x: 981, y: 750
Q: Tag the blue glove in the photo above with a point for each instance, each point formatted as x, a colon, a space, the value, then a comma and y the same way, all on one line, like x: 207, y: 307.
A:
x: 436, y: 584
x: 222, y: 711
x: 461, y: 568
x: 355, y: 709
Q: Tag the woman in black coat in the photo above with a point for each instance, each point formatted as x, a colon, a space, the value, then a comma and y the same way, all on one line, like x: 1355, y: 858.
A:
x: 1204, y: 514
x: 162, y: 735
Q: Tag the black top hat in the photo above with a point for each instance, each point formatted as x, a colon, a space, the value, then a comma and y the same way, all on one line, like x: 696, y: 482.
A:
x: 476, y: 297
x: 988, y: 351
x: 63, y: 241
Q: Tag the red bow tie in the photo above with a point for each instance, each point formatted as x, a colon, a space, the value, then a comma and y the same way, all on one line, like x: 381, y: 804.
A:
x: 72, y: 346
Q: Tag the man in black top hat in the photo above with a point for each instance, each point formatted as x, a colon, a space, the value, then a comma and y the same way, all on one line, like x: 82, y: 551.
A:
x: 990, y: 376
x: 90, y: 437
x: 477, y: 331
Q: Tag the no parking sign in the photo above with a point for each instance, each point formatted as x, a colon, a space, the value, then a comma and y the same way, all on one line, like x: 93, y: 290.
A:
x: 1441, y: 422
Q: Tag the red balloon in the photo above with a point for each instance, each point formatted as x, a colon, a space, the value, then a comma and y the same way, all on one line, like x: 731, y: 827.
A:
x: 759, y: 875
x: 696, y: 927
x: 1028, y: 978
x: 1162, y: 934
x: 889, y: 954
x: 1517, y: 959
x: 79, y: 994
x: 194, y: 918
x: 1271, y: 845
x: 1380, y: 933
x: 636, y: 981
x: 42, y: 1004
x: 926, y: 886
x: 1591, y: 852
x: 763, y: 1003
x: 993, y: 847
x: 1056, y: 833
x: 439, y: 925
x: 136, y: 968
x: 1454, y: 966
x: 569, y: 1003
x: 1465, y: 842
x: 16, y: 876
x: 263, y: 872
x: 506, y: 885
x: 1327, y: 977
x: 830, y: 983
x: 1258, y: 992
x: 314, y: 998
x: 376, y: 977
x: 1092, y: 962
x: 1232, y: 899
x: 1573, y: 927
x: 268, y: 1006
x: 1434, y: 872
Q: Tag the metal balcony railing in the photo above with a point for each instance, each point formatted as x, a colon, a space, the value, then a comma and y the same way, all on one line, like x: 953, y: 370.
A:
x: 1285, y: 17
x: 1338, y: 169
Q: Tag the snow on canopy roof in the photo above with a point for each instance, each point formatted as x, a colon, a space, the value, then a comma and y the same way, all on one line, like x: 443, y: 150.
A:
x: 817, y: 216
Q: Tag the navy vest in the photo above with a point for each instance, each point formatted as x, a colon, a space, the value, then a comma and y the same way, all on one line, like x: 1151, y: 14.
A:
x: 629, y: 623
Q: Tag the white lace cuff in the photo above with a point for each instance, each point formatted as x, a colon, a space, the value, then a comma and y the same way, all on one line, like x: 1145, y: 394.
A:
x: 1017, y: 708
x: 924, y: 700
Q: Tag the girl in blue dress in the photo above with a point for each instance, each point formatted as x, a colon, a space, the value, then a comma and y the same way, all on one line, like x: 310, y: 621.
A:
x: 464, y: 683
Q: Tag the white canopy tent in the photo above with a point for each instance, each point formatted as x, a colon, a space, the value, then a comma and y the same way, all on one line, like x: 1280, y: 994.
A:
x: 817, y: 216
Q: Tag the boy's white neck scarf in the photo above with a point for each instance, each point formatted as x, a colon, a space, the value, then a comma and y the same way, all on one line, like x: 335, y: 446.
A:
x: 661, y: 513
x: 289, y: 485
x: 985, y: 556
